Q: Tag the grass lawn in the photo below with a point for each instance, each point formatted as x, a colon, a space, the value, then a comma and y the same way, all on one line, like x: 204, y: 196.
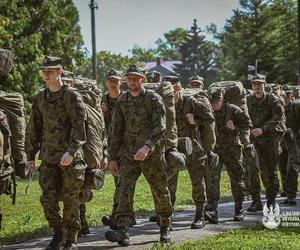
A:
x: 26, y: 218
x: 254, y: 238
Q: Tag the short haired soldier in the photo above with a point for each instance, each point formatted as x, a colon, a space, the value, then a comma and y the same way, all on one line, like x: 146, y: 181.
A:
x: 57, y: 129
x: 267, y: 115
x: 139, y: 123
x: 231, y: 122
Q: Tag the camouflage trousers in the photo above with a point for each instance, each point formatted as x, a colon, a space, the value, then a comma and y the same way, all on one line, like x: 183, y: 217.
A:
x: 251, y: 176
x: 117, y: 182
x: 154, y: 170
x: 288, y: 162
x: 231, y: 157
x: 172, y: 186
x: 268, y: 152
x: 64, y: 184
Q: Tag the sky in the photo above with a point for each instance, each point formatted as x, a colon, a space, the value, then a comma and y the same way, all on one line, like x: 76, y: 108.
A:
x: 120, y: 24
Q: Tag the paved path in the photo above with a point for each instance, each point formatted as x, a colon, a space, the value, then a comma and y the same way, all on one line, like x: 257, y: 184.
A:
x: 144, y: 234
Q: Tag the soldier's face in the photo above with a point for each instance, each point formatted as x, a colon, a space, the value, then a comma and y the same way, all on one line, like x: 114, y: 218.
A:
x: 259, y: 89
x: 217, y: 105
x: 134, y: 82
x: 51, y: 75
x: 113, y: 83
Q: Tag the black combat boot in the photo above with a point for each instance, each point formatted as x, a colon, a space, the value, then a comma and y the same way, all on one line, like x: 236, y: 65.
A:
x: 133, y: 222
x: 211, y: 215
x: 154, y: 218
x: 110, y: 221
x: 84, y: 225
x: 290, y: 201
x: 165, y: 234
x: 255, y: 207
x: 238, y: 214
x: 57, y: 240
x: 199, y: 221
x: 120, y: 236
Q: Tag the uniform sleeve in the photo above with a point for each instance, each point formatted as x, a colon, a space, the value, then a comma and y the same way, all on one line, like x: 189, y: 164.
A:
x: 158, y: 118
x: 277, y: 123
x: 34, y: 130
x: 116, y: 133
x: 78, y: 118
x: 241, y: 120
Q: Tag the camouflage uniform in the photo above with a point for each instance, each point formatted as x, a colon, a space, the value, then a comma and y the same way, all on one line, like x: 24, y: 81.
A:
x: 56, y: 126
x: 268, y: 114
x: 229, y: 148
x: 288, y: 158
x: 203, y: 140
x: 139, y: 121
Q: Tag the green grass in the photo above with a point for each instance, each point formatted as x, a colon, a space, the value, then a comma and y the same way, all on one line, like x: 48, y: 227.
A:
x: 254, y: 238
x: 26, y: 218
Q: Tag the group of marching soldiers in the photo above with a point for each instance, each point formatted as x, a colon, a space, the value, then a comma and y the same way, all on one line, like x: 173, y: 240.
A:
x: 155, y: 127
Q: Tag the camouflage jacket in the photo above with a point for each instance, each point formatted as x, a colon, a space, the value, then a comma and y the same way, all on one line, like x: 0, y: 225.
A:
x: 240, y: 119
x: 292, y: 114
x: 57, y: 125
x: 204, y: 130
x: 137, y: 121
x: 268, y: 114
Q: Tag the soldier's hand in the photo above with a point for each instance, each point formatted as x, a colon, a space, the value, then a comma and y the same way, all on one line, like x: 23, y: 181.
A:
x: 104, y: 108
x: 103, y: 163
x: 190, y: 119
x: 31, y: 166
x: 230, y: 125
x: 256, y: 132
x: 114, y: 168
x: 142, y: 153
x: 66, y: 159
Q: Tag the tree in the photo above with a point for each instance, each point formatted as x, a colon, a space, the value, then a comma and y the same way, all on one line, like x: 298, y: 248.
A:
x: 197, y: 56
x: 32, y: 29
x: 263, y: 30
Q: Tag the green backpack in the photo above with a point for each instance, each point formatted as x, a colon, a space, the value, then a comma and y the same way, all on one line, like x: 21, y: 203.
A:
x: 7, y: 173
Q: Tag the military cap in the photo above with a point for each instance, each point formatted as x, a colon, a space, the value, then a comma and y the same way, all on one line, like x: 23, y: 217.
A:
x: 67, y: 76
x: 153, y: 76
x: 113, y: 73
x: 135, y: 70
x: 196, y: 79
x: 172, y: 79
x: 258, y: 78
x: 51, y: 62
x: 287, y: 88
x: 215, y: 94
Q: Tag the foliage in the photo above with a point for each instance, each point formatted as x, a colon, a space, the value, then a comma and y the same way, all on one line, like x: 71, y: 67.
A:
x: 197, y: 56
x: 260, y: 29
x: 32, y: 29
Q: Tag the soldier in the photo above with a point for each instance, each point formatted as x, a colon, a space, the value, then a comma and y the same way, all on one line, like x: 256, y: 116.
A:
x: 288, y: 160
x: 138, y: 127
x: 108, y: 102
x: 153, y: 76
x: 57, y: 129
x: 267, y: 115
x: 198, y: 125
x: 231, y: 122
x: 196, y: 82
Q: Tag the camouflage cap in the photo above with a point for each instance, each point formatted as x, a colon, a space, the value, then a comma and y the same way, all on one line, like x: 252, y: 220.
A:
x: 195, y: 80
x: 258, y: 78
x: 51, y: 62
x: 287, y: 88
x: 215, y: 94
x: 67, y: 76
x: 172, y: 79
x: 135, y: 70
x: 113, y: 73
